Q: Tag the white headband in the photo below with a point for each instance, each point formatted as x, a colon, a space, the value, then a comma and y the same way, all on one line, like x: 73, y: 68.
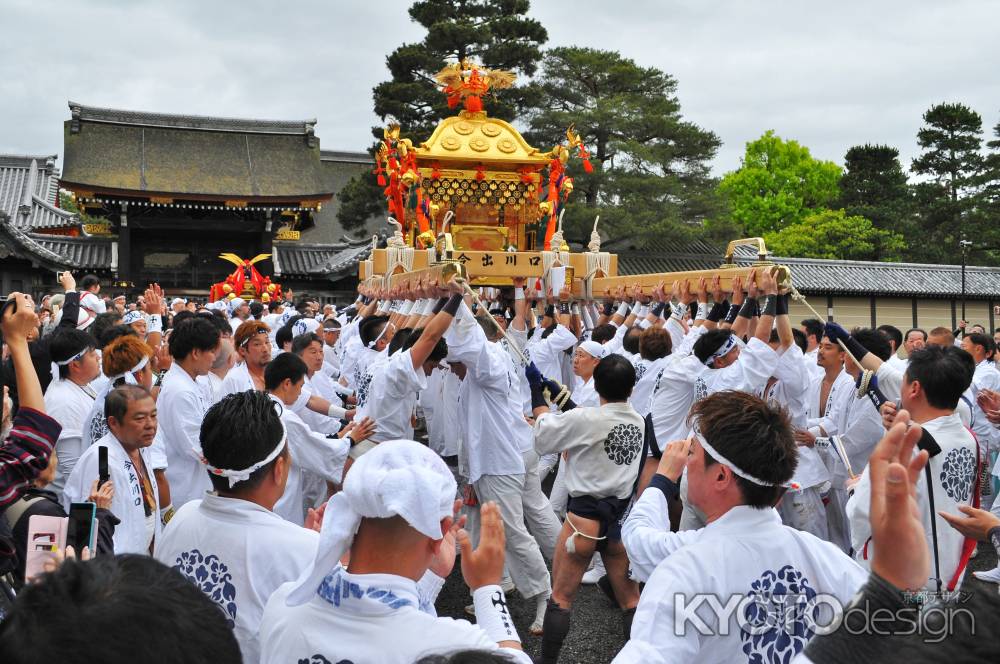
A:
x: 235, y: 476
x: 727, y: 346
x: 371, y: 344
x: 397, y: 478
x: 76, y: 357
x: 795, y: 486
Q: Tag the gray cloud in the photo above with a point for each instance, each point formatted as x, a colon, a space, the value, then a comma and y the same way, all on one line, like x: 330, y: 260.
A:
x: 829, y: 76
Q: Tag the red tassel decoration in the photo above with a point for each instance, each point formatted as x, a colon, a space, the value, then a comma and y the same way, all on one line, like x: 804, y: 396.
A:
x: 587, y: 166
x: 381, y: 178
x: 480, y: 172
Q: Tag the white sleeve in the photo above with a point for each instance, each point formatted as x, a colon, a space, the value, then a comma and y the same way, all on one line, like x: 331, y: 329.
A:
x: 890, y: 381
x: 646, y: 534
x: 677, y: 333
x: 687, y: 343
x: 315, y: 452
x: 560, y: 339
x: 557, y: 432
x: 615, y: 345
x: 858, y: 506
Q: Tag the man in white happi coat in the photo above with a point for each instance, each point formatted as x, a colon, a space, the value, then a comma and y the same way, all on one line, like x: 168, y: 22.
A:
x: 396, y: 379
x: 863, y: 429
x: 738, y: 463
x: 254, y: 350
x: 70, y: 399
x: 182, y: 404
x: 930, y: 392
x: 132, y: 424
x: 230, y: 543
x: 981, y: 347
x: 498, y: 451
x: 396, y: 518
x: 310, y: 450
x: 603, y: 448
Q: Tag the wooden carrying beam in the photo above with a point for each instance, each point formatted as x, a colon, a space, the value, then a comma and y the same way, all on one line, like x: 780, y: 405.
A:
x: 440, y: 272
x: 606, y: 286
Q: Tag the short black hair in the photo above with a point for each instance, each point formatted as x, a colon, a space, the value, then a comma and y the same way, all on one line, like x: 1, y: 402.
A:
x: 800, y: 339
x: 944, y: 373
x: 331, y: 325
x: 922, y: 332
x: 182, y: 316
x: 256, y: 309
x: 469, y: 657
x: 284, y: 335
x: 68, y: 616
x: 88, y: 281
x: 630, y: 342
x: 399, y: 338
x: 104, y: 322
x: 220, y: 322
x: 118, y: 399
x: 753, y: 436
x: 875, y: 342
x: 195, y: 333
x: 301, y: 342
x: 439, y: 352
x: 66, y: 342
x: 115, y: 332
x: 984, y: 340
x: 893, y: 333
x: 614, y: 378
x: 238, y: 431
x: 302, y: 304
x: 814, y: 328
x: 371, y: 328
x: 602, y: 334
x: 710, y: 342
x: 286, y: 365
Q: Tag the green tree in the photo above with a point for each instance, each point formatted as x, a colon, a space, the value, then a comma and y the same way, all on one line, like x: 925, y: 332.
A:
x: 991, y: 180
x: 778, y: 184
x: 951, y: 165
x: 874, y: 186
x: 835, y: 235
x: 651, y: 172
x: 496, y: 33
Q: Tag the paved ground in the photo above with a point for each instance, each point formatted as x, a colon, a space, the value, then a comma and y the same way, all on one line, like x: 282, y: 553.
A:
x: 596, y: 631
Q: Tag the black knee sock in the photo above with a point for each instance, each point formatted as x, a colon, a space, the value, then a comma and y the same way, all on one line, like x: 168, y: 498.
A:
x: 627, y: 616
x: 554, y: 631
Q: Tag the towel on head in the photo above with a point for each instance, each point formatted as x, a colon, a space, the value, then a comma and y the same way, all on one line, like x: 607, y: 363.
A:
x: 396, y: 478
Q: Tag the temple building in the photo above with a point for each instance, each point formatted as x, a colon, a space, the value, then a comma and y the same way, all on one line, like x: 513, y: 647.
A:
x: 161, y: 196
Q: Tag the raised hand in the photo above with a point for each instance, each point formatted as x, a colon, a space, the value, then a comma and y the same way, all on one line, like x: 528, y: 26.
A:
x: 19, y: 319
x: 674, y: 459
x: 702, y: 290
x: 737, y: 294
x: 753, y: 285
x: 533, y: 375
x: 977, y: 524
x: 153, y: 300
x: 835, y: 332
x: 901, y: 556
x: 67, y: 281
x: 102, y: 496
x: 483, y: 566
x: 717, y: 294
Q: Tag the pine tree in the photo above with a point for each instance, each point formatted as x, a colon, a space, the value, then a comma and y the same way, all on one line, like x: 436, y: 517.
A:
x: 874, y: 186
x: 951, y: 164
x: 651, y: 172
x: 497, y: 34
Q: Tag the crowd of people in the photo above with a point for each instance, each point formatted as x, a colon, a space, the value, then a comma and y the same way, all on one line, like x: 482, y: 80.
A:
x: 295, y: 482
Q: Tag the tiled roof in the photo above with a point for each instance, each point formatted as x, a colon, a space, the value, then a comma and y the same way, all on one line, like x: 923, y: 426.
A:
x: 817, y: 275
x: 29, y: 185
x: 176, y: 155
x: 55, y: 251
x: 332, y: 261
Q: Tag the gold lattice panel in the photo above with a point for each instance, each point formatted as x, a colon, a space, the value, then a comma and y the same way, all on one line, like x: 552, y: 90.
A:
x: 490, y: 192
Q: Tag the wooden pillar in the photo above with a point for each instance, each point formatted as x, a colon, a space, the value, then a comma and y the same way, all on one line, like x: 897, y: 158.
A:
x: 954, y: 316
x: 829, y: 308
x: 913, y: 302
x: 871, y: 301
x: 124, y: 245
x: 266, y: 235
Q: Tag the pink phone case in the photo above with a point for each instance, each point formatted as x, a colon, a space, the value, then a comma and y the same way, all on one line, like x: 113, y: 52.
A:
x: 46, y: 535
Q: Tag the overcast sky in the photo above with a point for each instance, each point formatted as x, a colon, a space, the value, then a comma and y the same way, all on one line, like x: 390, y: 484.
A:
x: 830, y: 75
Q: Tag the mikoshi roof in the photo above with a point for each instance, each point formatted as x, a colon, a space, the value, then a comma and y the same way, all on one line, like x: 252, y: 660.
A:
x: 817, y: 275
x: 332, y: 261
x: 134, y: 152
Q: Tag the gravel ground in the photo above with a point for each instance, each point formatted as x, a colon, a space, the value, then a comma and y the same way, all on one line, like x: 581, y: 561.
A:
x: 596, y: 631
